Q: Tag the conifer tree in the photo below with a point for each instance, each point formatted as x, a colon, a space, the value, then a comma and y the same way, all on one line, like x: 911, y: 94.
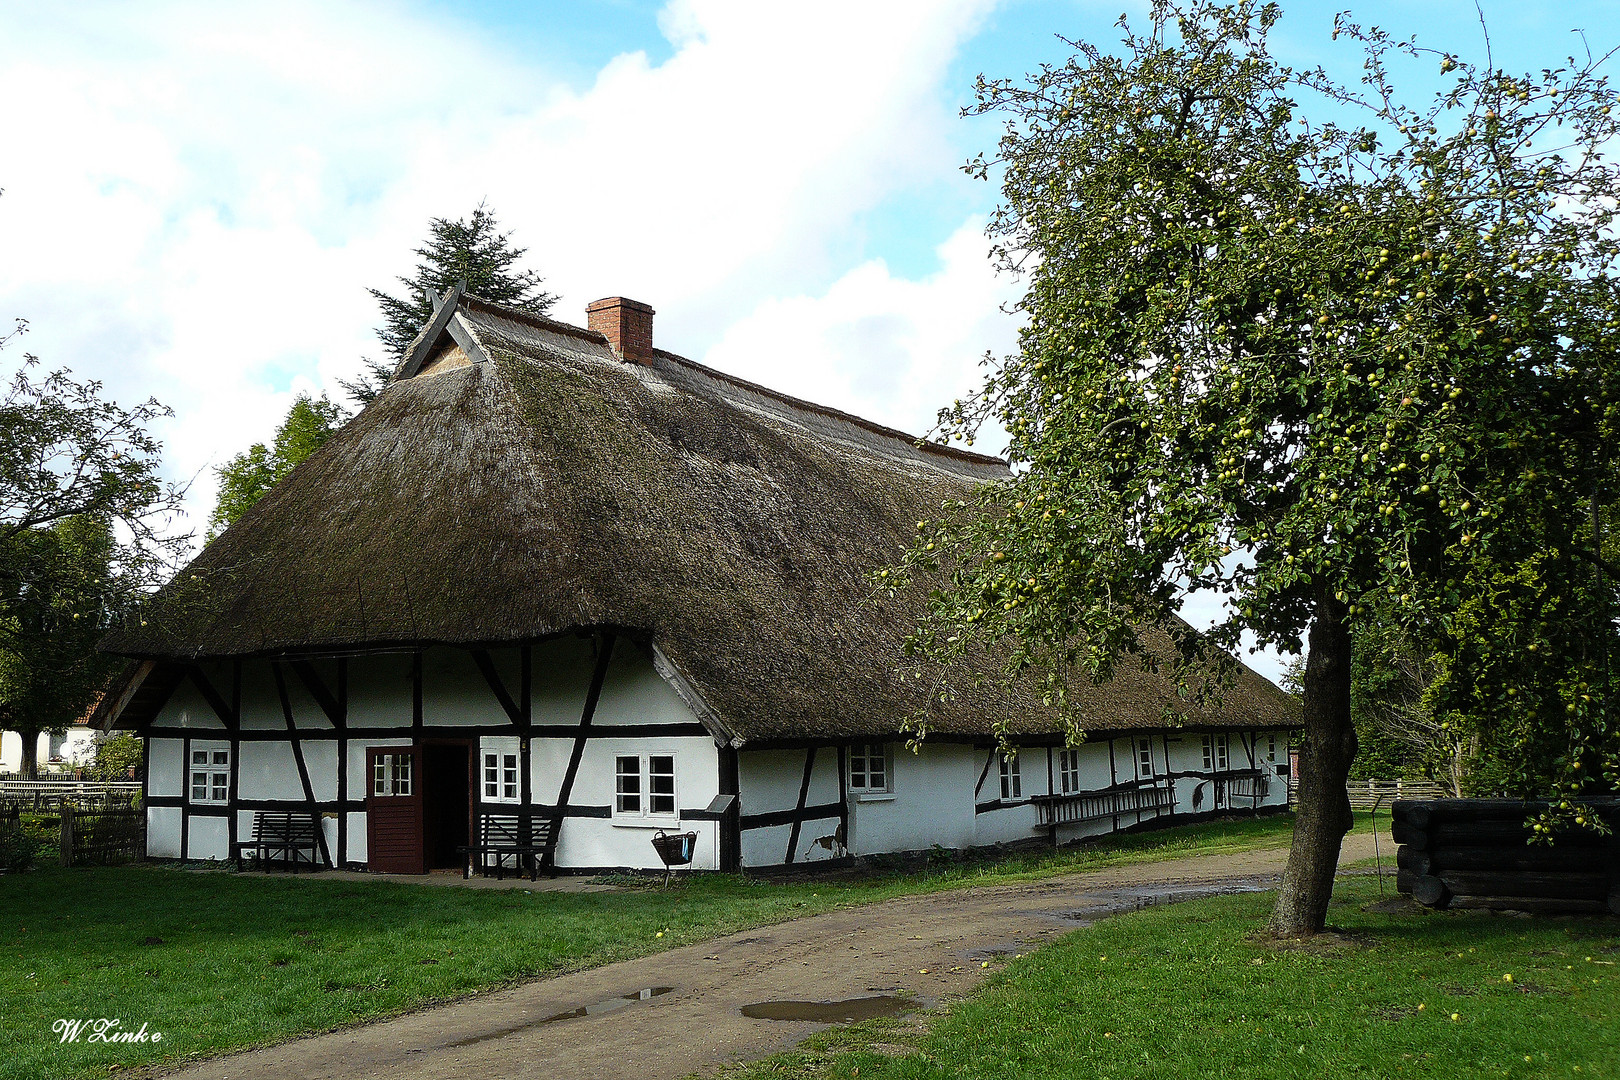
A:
x: 473, y: 250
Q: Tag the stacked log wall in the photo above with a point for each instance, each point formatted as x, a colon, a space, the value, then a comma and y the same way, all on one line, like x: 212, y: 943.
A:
x: 1476, y: 853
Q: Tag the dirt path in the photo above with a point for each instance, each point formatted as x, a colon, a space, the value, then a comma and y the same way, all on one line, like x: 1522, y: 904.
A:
x: 696, y: 1024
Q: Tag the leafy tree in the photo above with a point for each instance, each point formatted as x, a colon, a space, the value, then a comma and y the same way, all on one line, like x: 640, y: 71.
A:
x: 1339, y: 374
x: 85, y: 529
x: 57, y: 605
x: 471, y: 249
x: 117, y: 755
x: 246, y: 478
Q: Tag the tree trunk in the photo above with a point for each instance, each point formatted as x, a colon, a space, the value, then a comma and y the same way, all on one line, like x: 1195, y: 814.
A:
x: 1325, y: 754
x: 28, y: 769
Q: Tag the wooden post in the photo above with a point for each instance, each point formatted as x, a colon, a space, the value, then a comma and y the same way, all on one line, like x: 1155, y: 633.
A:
x: 67, y: 833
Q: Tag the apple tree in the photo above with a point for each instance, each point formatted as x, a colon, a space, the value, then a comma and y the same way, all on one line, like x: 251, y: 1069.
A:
x: 1334, y: 357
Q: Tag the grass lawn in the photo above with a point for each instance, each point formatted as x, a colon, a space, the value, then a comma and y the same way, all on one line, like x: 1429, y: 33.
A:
x: 1183, y: 991
x: 217, y: 961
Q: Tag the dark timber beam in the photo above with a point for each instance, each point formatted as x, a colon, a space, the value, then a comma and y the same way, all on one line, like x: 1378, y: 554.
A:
x: 804, y: 793
x: 513, y: 711
x: 317, y: 689
x: 592, y: 695
x: 310, y: 805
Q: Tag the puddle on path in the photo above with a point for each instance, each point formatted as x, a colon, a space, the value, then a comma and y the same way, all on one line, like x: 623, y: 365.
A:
x: 596, y: 1008
x: 831, y: 1012
x: 1121, y: 900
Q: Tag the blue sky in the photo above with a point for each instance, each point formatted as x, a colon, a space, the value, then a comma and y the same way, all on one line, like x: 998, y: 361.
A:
x: 197, y: 195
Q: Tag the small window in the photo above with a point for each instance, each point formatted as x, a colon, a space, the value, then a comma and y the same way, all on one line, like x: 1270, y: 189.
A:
x: 1222, y: 758
x: 391, y: 775
x: 1271, y: 748
x: 1144, y: 759
x: 210, y: 774
x: 1209, y: 753
x: 500, y: 777
x: 1012, y: 785
x: 1069, y: 771
x: 868, y: 767
x: 644, y: 786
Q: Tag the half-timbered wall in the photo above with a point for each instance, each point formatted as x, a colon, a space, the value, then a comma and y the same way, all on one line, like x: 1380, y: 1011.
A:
x: 570, y: 707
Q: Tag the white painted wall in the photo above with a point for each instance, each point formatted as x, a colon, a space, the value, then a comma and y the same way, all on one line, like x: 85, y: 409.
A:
x: 770, y: 781
x: 77, y: 748
x: 208, y: 837
x: 165, y: 770
x: 932, y: 804
x: 163, y: 832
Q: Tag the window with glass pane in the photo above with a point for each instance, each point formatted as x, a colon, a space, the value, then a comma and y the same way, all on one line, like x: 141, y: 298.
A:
x: 1209, y: 753
x: 1271, y: 748
x: 210, y: 774
x: 1222, y: 760
x: 1069, y: 771
x: 1012, y: 785
x: 391, y: 775
x: 1144, y: 759
x: 868, y: 767
x: 661, y: 784
x: 628, y: 785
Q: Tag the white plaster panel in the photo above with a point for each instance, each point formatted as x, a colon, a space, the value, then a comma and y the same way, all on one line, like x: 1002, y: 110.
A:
x: 764, y: 847
x: 165, y: 769
x: 634, y: 693
x: 208, y: 837
x: 266, y: 770
x: 320, y: 758
x: 548, y: 762
x: 380, y: 691
x: 187, y: 709
x: 261, y: 705
x: 932, y: 804
x: 596, y: 842
x: 770, y: 778
x: 163, y: 832
x: 356, y: 824
x: 455, y: 693
x: 560, y: 677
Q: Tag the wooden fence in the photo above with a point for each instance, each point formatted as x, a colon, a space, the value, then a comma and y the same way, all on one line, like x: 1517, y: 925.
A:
x: 42, y: 795
x: 102, y: 837
x: 1377, y: 794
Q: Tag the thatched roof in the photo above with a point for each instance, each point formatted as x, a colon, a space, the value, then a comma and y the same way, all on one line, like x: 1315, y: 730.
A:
x: 528, y: 482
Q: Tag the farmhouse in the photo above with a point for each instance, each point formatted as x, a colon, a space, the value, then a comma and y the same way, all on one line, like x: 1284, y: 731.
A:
x: 559, y: 582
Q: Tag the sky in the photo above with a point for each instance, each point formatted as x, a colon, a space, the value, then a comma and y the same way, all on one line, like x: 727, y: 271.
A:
x: 198, y: 195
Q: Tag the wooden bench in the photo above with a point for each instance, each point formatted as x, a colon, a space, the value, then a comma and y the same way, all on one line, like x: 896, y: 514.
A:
x: 501, y: 836
x: 285, y: 834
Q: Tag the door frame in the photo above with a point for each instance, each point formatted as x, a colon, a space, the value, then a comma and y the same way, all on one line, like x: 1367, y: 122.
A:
x: 474, y: 765
x: 415, y: 862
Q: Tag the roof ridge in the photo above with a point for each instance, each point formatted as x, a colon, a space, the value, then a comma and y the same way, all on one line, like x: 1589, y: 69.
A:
x: 926, y: 445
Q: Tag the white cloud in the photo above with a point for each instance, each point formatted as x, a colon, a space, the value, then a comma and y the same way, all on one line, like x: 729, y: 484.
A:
x: 197, y: 195
x: 884, y: 347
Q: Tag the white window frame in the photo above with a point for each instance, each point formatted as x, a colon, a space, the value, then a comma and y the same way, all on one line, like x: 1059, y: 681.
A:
x: 1209, y: 753
x: 1271, y: 749
x: 1144, y: 759
x: 1012, y: 780
x: 865, y: 754
x: 1223, y: 752
x: 387, y: 779
x: 643, y: 813
x: 1069, y: 770
x: 500, y: 779
x: 215, y: 771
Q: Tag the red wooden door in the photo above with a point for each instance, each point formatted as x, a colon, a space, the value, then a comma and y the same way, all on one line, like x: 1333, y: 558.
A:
x: 394, y: 838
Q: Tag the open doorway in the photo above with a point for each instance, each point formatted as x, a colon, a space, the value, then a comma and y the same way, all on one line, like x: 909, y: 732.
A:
x: 446, y: 809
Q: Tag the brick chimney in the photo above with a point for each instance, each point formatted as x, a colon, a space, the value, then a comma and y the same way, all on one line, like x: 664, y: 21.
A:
x: 627, y: 324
